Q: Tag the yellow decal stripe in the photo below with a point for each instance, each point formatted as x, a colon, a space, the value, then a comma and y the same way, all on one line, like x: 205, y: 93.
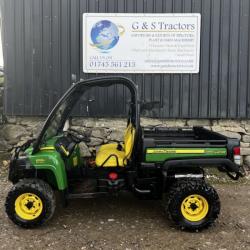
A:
x: 47, y: 148
x: 175, y: 151
x: 64, y: 150
x: 75, y: 161
x: 40, y: 160
x: 194, y: 151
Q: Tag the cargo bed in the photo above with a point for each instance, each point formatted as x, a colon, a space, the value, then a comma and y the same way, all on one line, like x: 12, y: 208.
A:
x: 160, y: 144
x: 182, y: 137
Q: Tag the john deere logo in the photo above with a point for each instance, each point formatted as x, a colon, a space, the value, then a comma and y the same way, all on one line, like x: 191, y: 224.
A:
x: 105, y: 35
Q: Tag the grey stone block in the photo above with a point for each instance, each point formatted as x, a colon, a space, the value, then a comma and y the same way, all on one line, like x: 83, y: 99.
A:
x: 94, y: 142
x: 231, y: 134
x: 246, y: 138
x: 202, y: 122
x: 99, y: 133
x: 11, y: 119
x: 244, y: 144
x: 237, y: 129
x: 245, y: 151
x: 117, y: 135
x: 228, y: 123
x: 246, y: 160
x: 13, y: 132
x: 84, y: 150
x: 3, y: 145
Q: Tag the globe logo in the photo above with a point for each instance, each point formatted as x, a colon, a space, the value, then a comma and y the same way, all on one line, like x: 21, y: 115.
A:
x: 105, y: 35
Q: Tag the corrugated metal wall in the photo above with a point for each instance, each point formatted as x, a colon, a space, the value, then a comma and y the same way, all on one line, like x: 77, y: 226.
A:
x: 42, y: 49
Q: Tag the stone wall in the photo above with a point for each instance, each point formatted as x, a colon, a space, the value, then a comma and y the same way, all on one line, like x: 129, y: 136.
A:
x: 16, y: 130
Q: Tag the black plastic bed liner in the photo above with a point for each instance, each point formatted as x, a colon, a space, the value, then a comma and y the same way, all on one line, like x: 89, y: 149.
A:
x: 182, y: 137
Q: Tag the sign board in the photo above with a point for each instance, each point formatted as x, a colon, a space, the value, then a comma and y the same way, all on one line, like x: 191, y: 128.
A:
x: 141, y: 43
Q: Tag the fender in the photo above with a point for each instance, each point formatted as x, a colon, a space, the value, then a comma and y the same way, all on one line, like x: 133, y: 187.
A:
x: 228, y: 165
x: 30, y: 166
x: 202, y: 162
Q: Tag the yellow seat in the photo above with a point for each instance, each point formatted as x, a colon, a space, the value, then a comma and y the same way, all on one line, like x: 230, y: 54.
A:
x: 108, y: 155
x: 110, y: 146
x: 111, y: 156
x: 114, y: 146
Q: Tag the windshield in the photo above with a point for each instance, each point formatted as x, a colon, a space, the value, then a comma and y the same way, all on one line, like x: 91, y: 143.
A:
x: 57, y: 118
x: 57, y: 122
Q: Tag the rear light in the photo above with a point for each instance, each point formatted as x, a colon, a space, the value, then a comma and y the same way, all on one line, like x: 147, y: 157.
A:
x: 237, y: 157
x: 237, y: 151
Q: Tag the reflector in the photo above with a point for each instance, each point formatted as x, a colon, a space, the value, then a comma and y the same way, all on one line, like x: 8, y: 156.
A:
x: 113, y: 176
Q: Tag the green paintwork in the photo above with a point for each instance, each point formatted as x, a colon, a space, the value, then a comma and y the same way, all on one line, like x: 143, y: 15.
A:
x: 50, y: 159
x: 75, y: 159
x: 163, y: 154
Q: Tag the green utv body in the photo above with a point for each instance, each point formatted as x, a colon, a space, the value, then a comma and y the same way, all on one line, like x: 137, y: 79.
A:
x: 153, y: 163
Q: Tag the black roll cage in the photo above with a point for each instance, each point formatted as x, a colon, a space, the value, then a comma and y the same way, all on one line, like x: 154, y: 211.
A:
x: 79, y: 89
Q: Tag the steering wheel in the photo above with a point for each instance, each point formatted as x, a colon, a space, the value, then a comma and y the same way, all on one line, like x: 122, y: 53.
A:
x: 78, y: 136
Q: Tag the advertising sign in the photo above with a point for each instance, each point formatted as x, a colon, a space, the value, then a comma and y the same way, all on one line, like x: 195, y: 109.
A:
x: 141, y: 43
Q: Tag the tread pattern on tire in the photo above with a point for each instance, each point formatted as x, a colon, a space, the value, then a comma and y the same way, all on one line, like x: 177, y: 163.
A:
x: 36, y: 185
x: 187, y: 186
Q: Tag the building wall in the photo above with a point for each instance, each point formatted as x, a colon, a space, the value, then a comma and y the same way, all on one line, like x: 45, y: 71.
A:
x: 42, y: 49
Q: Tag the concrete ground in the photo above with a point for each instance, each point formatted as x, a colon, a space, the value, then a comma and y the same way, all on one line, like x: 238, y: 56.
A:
x: 128, y: 223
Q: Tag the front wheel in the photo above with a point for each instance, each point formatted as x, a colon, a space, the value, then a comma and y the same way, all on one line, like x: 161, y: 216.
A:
x: 30, y: 203
x: 192, y: 204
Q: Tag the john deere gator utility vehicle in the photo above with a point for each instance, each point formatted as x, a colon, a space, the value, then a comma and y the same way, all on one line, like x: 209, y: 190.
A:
x: 152, y: 162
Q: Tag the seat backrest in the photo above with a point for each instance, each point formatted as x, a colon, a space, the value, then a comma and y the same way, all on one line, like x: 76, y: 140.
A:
x: 129, y: 138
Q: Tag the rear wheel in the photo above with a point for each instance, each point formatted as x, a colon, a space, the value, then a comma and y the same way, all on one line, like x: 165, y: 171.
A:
x: 30, y: 203
x: 192, y: 204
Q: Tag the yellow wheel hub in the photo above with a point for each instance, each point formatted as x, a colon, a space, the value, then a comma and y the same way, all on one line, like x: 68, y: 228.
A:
x: 28, y: 206
x: 194, y: 207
